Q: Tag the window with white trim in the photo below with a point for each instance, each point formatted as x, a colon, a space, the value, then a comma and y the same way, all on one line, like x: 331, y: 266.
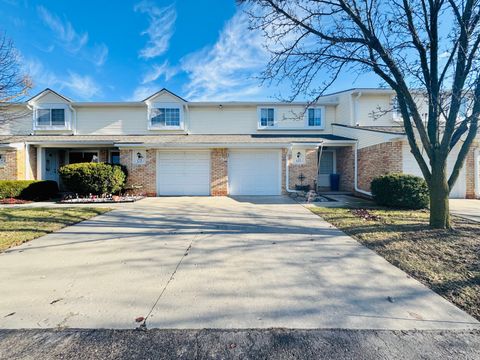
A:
x: 314, y: 117
x: 166, y: 117
x: 267, y: 117
x: 51, y: 118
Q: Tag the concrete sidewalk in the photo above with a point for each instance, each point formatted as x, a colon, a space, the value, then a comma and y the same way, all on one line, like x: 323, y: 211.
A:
x: 466, y: 208
x: 210, y: 262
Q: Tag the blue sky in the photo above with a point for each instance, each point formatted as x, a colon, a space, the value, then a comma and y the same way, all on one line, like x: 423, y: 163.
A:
x: 104, y: 50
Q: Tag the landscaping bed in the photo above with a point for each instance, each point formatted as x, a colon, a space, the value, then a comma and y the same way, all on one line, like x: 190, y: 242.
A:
x: 18, y: 225
x: 447, y: 261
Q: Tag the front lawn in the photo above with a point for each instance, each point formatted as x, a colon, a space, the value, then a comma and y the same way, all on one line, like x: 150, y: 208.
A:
x: 18, y: 225
x: 447, y: 261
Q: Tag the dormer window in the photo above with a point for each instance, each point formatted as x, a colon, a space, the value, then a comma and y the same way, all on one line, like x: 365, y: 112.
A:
x: 52, y: 117
x: 166, y: 117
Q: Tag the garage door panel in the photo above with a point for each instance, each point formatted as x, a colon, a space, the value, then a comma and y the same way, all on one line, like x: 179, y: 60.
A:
x: 410, y: 166
x: 254, y: 172
x: 183, y: 173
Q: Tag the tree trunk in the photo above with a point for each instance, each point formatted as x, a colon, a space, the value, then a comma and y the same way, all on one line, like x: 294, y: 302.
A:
x: 439, y: 192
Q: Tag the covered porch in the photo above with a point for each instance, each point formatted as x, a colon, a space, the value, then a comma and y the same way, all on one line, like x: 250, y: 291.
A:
x: 47, y: 159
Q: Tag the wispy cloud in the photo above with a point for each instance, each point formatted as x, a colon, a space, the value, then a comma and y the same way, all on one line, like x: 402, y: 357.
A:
x: 63, y: 29
x: 142, y: 92
x: 227, y: 70
x: 160, y: 28
x: 83, y: 86
x: 159, y: 70
x: 71, y: 40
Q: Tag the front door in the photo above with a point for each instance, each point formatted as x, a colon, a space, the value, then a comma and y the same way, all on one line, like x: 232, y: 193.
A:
x: 51, y: 165
x: 327, y: 167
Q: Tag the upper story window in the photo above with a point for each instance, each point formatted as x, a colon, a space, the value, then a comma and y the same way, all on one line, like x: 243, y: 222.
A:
x: 51, y: 117
x: 314, y: 117
x: 166, y: 117
x: 267, y: 117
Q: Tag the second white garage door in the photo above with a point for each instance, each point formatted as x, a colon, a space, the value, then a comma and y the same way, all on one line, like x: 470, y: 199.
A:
x: 254, y: 172
x: 183, y: 173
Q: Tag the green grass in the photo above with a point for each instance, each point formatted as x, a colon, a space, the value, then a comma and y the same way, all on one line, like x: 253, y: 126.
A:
x: 18, y: 225
x: 447, y: 261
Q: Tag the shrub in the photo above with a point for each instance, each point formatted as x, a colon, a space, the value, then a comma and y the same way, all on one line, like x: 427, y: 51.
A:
x: 93, y: 178
x: 28, y: 189
x: 400, y: 190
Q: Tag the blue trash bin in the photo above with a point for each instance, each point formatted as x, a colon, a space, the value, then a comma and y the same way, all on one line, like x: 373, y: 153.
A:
x: 334, y: 182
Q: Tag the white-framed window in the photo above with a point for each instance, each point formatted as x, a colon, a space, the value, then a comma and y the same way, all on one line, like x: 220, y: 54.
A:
x: 51, y: 117
x: 3, y: 159
x: 315, y: 117
x: 266, y: 117
x: 165, y: 116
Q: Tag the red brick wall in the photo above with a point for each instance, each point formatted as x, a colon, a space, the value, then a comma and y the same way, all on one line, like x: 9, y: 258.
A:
x: 32, y: 154
x: 346, y: 167
x: 470, y: 173
x: 219, y: 172
x: 141, y: 175
x: 9, y: 170
x: 309, y: 170
x: 378, y: 160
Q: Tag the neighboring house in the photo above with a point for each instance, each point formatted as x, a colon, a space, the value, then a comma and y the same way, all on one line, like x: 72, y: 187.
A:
x: 175, y: 147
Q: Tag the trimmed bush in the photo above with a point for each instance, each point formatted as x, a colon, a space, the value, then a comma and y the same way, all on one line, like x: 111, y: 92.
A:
x: 401, y: 191
x: 28, y: 189
x: 93, y: 178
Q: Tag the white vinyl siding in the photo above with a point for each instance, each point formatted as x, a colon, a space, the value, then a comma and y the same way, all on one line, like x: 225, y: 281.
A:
x: 254, y: 172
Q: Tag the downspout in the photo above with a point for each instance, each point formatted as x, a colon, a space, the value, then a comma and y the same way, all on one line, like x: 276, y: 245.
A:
x: 289, y: 152
x: 355, y: 176
x: 355, y: 108
x: 75, y: 119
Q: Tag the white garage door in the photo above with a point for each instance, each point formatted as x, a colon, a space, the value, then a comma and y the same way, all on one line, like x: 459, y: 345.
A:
x: 410, y: 166
x: 254, y: 172
x: 183, y: 173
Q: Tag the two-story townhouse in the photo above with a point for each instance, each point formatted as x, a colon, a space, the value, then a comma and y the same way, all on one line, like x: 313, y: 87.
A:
x: 171, y: 146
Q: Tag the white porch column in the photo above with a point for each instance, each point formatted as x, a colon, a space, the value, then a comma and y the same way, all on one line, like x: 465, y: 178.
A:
x: 27, y: 162
x: 40, y: 153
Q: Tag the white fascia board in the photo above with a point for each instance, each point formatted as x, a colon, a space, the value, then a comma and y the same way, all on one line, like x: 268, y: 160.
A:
x: 11, y: 146
x: 200, y: 145
x: 74, y: 144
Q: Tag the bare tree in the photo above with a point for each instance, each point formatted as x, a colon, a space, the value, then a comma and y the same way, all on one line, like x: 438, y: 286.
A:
x: 14, y: 84
x: 430, y: 46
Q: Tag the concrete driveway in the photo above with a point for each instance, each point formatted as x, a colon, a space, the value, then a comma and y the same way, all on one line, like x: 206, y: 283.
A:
x: 466, y: 208
x: 212, y: 262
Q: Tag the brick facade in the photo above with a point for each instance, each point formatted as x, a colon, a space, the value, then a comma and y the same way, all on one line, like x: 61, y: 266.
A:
x: 141, y: 175
x: 309, y: 170
x: 32, y: 170
x: 10, y: 170
x: 470, y: 174
x: 284, y: 171
x: 219, y: 172
x: 378, y: 160
x: 346, y: 167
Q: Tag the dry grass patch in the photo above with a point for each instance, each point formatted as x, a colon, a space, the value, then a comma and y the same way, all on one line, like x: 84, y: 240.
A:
x: 447, y: 261
x: 18, y: 225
